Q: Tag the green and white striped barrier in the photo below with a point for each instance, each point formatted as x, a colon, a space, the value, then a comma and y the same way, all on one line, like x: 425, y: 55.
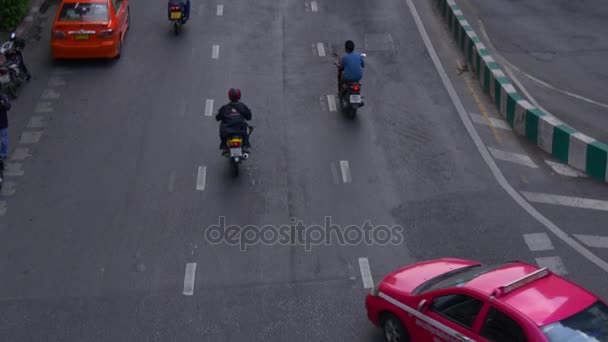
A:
x: 547, y: 132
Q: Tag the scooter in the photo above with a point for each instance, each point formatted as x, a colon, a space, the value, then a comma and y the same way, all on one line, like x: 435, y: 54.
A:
x: 12, y: 76
x: 177, y: 16
x: 235, y: 150
x: 349, y: 94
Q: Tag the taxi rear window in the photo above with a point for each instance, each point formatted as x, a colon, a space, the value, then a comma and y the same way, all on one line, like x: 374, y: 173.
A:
x: 589, y: 325
x: 456, y: 278
x: 89, y: 12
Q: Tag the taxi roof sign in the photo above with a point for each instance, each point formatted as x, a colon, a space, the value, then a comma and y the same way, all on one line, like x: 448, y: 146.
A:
x: 523, y: 281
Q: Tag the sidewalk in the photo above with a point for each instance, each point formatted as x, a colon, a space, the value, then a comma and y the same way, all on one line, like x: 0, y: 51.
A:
x: 23, y: 30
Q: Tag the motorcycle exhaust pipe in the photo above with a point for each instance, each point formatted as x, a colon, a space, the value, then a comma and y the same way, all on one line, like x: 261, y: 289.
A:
x: 245, y: 156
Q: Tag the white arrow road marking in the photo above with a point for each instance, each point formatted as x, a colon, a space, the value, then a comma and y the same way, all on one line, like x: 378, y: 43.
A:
x: 568, y: 201
x: 593, y: 240
x: 511, y: 157
x: 366, y: 273
x: 189, y: 279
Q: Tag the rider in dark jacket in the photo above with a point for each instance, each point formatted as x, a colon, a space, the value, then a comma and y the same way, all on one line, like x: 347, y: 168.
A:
x: 233, y: 117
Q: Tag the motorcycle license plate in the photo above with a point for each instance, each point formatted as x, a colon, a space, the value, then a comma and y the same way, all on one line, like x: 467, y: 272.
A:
x: 236, y: 152
x: 81, y: 37
x: 176, y: 15
x: 355, y: 99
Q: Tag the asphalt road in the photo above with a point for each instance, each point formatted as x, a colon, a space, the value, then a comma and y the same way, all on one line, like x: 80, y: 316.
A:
x: 116, y: 176
x: 562, y: 44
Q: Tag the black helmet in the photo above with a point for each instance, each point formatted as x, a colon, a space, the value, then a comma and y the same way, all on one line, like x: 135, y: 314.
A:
x: 349, y: 46
x: 234, y: 94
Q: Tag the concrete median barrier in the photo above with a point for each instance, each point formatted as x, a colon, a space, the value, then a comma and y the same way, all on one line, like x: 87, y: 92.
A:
x: 547, y: 132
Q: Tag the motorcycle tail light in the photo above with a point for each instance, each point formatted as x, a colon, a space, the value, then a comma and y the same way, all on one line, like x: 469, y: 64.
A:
x: 356, y: 88
x: 175, y: 8
x: 235, y: 144
x: 105, y: 33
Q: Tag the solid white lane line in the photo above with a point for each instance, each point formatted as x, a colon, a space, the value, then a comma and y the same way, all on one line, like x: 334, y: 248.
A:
x: 321, y: 49
x: 171, y: 180
x: 553, y: 263
x: 201, y: 178
x: 538, y: 242
x: 314, y: 6
x: 220, y: 10
x: 594, y: 241
x: 335, y: 174
x: 208, y: 107
x: 331, y: 102
x: 346, y: 178
x: 567, y: 201
x: 215, y: 54
x: 565, y: 170
x: 366, y: 274
x: 511, y: 157
x: 496, y: 123
x: 189, y: 279
x: 483, y: 151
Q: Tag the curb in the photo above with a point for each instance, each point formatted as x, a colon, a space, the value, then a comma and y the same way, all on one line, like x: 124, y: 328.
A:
x: 31, y: 17
x: 547, y: 132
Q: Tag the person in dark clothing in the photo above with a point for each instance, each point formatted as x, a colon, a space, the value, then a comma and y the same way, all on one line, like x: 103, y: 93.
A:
x: 233, y: 117
x: 16, y: 54
x: 185, y: 3
x: 5, y: 106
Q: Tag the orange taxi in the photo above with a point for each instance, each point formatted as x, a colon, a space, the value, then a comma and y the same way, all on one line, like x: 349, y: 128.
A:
x: 89, y: 29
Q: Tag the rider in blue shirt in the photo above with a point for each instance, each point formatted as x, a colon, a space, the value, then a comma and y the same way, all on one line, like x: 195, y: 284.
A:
x: 351, y: 66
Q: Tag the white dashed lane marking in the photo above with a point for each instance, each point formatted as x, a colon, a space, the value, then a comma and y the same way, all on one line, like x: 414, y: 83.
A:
x: 8, y: 188
x: 201, y: 178
x: 335, y: 174
x: 321, y: 49
x: 44, y: 107
x: 568, y: 201
x: 331, y: 102
x: 366, y: 274
x: 13, y: 169
x: 346, y: 177
x: 215, y: 53
x: 511, y: 157
x: 20, y: 153
x: 538, y: 242
x: 49, y: 94
x: 56, y: 81
x: 220, y: 10
x: 314, y: 6
x: 189, y: 278
x: 30, y: 137
x: 208, y: 107
x: 35, y: 122
x: 593, y: 240
x: 554, y: 263
x: 496, y: 123
x: 3, y: 208
x: 565, y: 170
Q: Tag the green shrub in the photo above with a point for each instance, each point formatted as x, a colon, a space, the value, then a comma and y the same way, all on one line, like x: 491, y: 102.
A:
x: 12, y: 13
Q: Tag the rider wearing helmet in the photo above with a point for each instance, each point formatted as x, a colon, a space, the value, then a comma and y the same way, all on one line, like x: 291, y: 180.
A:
x: 234, y: 116
x: 185, y: 3
x: 351, y: 65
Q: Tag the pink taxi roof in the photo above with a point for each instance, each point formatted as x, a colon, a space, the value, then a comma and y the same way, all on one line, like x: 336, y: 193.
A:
x: 544, y: 301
